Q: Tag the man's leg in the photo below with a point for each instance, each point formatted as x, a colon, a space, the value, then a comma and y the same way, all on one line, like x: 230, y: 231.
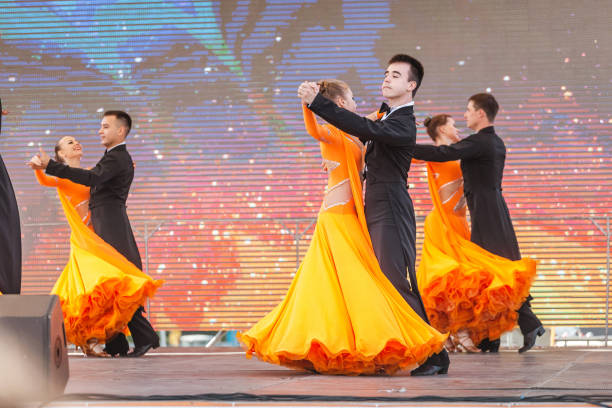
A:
x: 118, y: 345
x: 142, y: 331
x: 530, y: 325
x: 390, y: 255
x: 393, y: 262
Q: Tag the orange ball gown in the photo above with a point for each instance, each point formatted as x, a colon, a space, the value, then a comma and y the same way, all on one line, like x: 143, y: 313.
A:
x: 464, y: 286
x: 341, y: 315
x: 99, y: 289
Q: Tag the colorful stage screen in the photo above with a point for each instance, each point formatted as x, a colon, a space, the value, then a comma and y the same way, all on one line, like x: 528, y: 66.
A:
x: 228, y: 183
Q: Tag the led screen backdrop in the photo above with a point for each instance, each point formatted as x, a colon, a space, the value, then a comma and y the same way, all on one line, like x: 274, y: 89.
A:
x: 227, y: 181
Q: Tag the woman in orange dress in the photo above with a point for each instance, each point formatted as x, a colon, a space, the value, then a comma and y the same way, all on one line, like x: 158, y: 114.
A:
x: 341, y: 315
x: 467, y: 291
x: 99, y: 289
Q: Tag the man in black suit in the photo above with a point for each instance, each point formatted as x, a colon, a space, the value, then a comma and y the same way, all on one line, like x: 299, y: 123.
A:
x: 482, y: 156
x: 388, y: 207
x: 10, y: 232
x: 110, y: 182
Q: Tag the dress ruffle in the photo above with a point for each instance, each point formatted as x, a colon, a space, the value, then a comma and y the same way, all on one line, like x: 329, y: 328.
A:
x: 463, y: 286
x: 99, y: 289
x: 393, y: 356
x: 105, y: 310
x: 477, y: 301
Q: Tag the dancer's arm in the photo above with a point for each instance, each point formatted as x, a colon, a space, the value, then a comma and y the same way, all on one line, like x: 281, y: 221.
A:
x: 313, y: 128
x: 106, y: 169
x: 468, y: 148
x: 391, y: 131
x: 45, y: 180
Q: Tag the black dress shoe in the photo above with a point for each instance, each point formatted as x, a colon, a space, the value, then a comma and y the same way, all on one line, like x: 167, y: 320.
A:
x: 429, y: 369
x: 118, y: 354
x: 490, y: 346
x: 140, y: 351
x: 529, y: 339
x: 494, y: 346
x: 484, y: 345
x: 117, y: 346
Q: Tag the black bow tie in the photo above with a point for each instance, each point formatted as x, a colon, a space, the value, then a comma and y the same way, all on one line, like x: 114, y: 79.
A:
x: 384, y: 108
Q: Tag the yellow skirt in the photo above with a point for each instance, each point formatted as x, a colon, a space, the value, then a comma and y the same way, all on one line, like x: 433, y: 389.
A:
x: 341, y: 315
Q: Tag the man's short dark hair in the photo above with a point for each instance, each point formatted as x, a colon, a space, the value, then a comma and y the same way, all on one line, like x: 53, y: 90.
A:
x: 122, y: 116
x: 487, y: 103
x: 416, y: 69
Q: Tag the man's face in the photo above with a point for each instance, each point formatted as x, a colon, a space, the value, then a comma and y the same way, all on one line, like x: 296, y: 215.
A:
x: 397, y: 81
x: 472, y: 115
x: 111, y: 131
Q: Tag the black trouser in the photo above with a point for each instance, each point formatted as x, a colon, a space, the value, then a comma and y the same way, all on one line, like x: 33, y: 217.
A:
x: 392, y: 227
x: 111, y: 223
x: 527, y: 320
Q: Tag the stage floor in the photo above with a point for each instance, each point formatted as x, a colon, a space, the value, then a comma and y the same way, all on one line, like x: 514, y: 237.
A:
x: 484, y: 378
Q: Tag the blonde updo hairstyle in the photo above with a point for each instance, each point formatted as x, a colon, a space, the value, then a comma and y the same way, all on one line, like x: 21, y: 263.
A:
x: 333, y: 88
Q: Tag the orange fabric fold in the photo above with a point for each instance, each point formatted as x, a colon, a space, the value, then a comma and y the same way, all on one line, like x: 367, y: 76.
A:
x: 99, y: 289
x: 462, y: 285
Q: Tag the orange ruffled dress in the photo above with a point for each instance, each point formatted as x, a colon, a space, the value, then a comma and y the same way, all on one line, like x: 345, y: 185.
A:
x: 341, y: 315
x: 462, y: 285
x: 99, y: 289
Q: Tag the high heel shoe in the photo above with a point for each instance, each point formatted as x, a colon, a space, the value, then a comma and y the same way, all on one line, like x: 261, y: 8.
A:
x: 464, y: 342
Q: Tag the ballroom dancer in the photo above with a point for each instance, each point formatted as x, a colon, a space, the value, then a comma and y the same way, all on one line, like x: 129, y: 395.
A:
x: 482, y: 156
x: 99, y: 289
x: 467, y: 291
x: 341, y: 314
x: 110, y: 182
x: 388, y: 208
x: 10, y: 231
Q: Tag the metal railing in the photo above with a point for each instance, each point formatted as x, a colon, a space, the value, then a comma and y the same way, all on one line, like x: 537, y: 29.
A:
x: 298, y: 229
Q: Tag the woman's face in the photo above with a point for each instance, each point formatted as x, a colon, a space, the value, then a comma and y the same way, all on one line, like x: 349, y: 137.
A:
x: 447, y: 133
x: 348, y: 101
x: 70, y: 148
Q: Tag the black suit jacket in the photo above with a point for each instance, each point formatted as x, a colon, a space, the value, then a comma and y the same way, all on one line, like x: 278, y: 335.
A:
x: 110, y: 179
x: 110, y: 182
x: 388, y: 155
x: 10, y: 233
x: 482, y: 156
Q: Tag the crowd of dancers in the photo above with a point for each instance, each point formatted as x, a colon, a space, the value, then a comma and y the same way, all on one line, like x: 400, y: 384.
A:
x: 357, y: 303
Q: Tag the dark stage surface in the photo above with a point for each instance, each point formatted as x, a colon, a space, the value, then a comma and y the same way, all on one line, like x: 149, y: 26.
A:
x: 189, y: 371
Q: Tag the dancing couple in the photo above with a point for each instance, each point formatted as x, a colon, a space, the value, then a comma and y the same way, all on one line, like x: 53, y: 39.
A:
x: 350, y: 308
x: 102, y: 289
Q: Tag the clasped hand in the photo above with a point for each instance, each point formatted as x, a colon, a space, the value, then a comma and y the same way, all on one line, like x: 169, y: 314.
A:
x: 307, y: 91
x: 39, y: 161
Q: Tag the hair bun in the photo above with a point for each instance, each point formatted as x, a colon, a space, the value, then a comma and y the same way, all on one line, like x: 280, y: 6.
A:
x: 427, y: 121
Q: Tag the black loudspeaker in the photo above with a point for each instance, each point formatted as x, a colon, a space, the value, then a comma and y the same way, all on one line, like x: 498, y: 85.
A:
x: 33, y: 351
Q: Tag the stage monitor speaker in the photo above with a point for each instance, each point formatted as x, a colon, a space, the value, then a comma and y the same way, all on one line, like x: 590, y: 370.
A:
x: 32, y: 348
